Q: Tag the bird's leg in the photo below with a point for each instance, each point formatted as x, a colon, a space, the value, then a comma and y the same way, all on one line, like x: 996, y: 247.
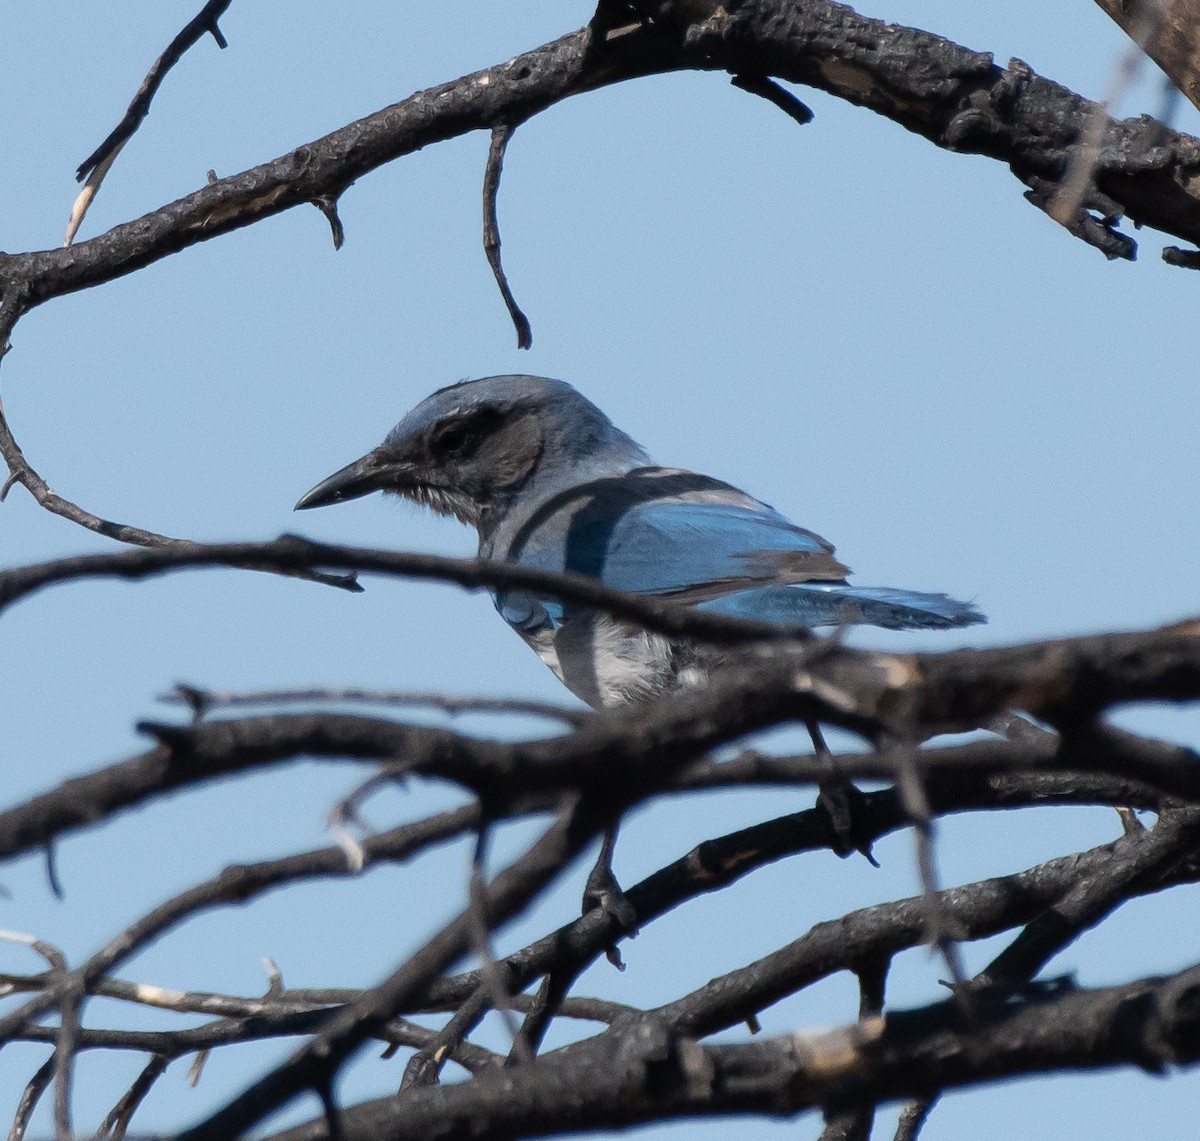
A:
x: 839, y: 797
x: 603, y: 891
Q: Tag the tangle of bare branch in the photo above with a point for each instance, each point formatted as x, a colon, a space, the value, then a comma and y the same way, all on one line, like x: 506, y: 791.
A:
x: 578, y: 778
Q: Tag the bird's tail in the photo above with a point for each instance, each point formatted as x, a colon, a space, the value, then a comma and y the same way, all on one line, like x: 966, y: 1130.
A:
x: 839, y: 603
x: 905, y: 609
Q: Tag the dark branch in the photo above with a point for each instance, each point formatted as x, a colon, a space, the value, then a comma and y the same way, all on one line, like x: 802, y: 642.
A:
x: 978, y: 911
x: 643, y: 1072
x: 639, y: 751
x: 30, y: 1096
x: 769, y: 90
x: 1169, y: 33
x: 501, y: 133
x: 97, y: 164
x: 315, y: 1064
x: 117, y: 1121
x: 204, y: 701
x: 954, y: 97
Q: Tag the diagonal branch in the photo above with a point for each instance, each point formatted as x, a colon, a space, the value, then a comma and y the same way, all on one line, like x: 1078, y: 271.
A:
x: 1137, y: 858
x: 978, y: 910
x: 317, y: 1063
x: 97, y: 164
x: 1168, y: 31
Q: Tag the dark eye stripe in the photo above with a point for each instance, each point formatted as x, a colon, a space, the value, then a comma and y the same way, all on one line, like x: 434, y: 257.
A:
x: 451, y: 439
x: 464, y: 432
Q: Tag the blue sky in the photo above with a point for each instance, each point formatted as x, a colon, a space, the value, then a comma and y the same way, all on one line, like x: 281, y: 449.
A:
x: 884, y: 341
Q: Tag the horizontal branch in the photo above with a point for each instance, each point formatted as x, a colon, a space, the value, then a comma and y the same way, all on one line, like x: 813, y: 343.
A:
x: 623, y: 756
x: 292, y: 553
x: 195, y: 755
x: 203, y: 701
x: 1147, y: 768
x: 1068, y: 680
x: 711, y: 866
x: 232, y: 1031
x: 643, y: 1072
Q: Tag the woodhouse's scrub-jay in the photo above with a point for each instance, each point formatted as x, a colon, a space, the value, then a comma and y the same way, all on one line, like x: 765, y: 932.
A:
x: 547, y: 481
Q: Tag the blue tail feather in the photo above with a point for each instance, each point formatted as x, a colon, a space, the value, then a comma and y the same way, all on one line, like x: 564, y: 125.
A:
x: 837, y: 604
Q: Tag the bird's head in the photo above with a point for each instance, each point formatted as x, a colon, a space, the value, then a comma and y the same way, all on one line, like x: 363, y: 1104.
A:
x: 469, y: 449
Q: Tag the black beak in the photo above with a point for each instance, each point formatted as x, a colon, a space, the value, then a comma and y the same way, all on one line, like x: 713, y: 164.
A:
x: 374, y: 472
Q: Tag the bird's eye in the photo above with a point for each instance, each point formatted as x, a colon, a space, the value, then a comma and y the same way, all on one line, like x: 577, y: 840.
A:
x: 451, y: 441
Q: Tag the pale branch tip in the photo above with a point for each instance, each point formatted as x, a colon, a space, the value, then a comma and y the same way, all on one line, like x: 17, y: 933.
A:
x: 97, y: 164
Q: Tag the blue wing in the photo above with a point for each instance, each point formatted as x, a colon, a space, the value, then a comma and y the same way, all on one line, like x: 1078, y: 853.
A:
x: 698, y: 549
x: 697, y: 540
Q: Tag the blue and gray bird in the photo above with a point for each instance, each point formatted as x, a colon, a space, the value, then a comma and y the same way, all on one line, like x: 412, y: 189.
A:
x: 547, y: 481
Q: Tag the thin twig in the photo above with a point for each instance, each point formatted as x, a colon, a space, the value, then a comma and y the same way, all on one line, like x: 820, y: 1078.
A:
x: 941, y: 934
x: 912, y: 1117
x: 30, y: 1096
x: 548, y: 1002
x: 501, y: 133
x: 97, y: 164
x: 322, y: 1058
x: 1138, y: 857
x: 63, y: 992
x: 116, y: 1122
x: 284, y: 1004
x: 21, y: 471
x: 425, y: 1065
x: 241, y: 883
x: 499, y: 995
x: 206, y: 699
